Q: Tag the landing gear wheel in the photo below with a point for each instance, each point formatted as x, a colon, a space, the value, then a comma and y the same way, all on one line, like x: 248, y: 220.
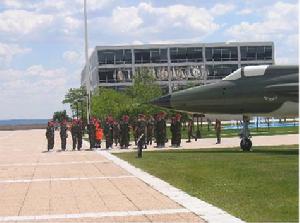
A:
x: 246, y: 144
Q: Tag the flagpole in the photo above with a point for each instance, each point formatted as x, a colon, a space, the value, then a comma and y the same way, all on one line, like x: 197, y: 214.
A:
x: 87, y: 65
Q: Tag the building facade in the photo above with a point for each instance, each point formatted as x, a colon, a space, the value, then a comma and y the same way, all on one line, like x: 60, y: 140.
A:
x: 174, y: 66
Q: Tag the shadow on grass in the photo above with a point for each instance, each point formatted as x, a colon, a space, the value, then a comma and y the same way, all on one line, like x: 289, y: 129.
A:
x: 275, y: 151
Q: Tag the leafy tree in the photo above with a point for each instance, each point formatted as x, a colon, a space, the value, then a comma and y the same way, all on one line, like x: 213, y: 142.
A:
x: 144, y: 87
x: 107, y: 101
x: 59, y: 116
x: 77, y: 98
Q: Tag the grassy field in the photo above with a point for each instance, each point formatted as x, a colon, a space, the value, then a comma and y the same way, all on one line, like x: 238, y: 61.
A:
x: 258, y: 186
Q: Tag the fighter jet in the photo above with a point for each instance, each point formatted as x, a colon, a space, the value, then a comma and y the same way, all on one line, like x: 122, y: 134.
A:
x: 265, y: 91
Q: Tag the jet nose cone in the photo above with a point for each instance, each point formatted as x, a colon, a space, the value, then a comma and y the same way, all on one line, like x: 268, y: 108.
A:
x: 164, y: 101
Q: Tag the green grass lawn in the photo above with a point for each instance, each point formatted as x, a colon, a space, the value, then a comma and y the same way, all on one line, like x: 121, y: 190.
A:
x: 256, y: 186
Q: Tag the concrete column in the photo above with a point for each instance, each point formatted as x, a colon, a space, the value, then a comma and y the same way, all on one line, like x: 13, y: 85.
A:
x: 239, y: 57
x: 169, y: 72
x: 132, y: 63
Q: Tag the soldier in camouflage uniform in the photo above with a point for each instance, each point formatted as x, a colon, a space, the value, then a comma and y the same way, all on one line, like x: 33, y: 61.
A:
x: 74, y: 135
x: 63, y: 135
x: 92, y: 133
x: 124, y: 132
x: 134, y: 130
x: 191, y: 131
x: 50, y: 135
x: 161, y: 128
x: 150, y: 129
x: 177, y: 130
x: 141, y: 134
x: 79, y: 134
x: 116, y: 132
x: 172, y: 129
x: 108, y: 131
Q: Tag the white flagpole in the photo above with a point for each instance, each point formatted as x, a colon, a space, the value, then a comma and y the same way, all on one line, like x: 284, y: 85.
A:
x: 87, y: 65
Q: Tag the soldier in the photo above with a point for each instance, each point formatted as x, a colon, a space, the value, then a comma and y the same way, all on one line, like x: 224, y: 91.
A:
x: 124, y: 132
x: 116, y: 132
x: 50, y: 135
x: 63, y: 135
x: 108, y: 131
x: 191, y: 130
x: 150, y: 128
x: 134, y: 130
x: 98, y: 133
x: 161, y: 131
x: 142, y: 134
x: 79, y: 135
x: 172, y: 129
x: 177, y: 130
x: 92, y: 133
x: 74, y: 133
x: 218, y: 130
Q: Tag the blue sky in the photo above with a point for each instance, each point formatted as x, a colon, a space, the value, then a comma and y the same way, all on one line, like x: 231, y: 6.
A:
x: 42, y: 51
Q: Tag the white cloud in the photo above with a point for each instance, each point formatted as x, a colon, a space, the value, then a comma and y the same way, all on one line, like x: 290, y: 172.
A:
x: 21, y: 22
x: 126, y: 19
x: 279, y: 24
x: 72, y: 57
x: 279, y: 19
x: 33, y: 92
x: 222, y: 9
x: 8, y: 51
x: 16, y: 4
x: 146, y: 22
x: 245, y: 11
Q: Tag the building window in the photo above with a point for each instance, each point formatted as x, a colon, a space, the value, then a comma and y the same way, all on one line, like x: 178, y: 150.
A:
x: 107, y: 76
x: 221, y: 53
x: 194, y: 54
x: 249, y: 53
x: 220, y: 71
x: 122, y: 56
x: 158, y: 55
x: 191, y: 54
x: 142, y: 56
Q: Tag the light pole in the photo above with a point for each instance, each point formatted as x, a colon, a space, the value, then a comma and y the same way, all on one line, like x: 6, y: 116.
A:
x: 87, y: 65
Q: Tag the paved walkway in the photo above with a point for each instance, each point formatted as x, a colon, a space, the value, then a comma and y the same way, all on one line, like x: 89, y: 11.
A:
x: 74, y: 186
x: 276, y: 140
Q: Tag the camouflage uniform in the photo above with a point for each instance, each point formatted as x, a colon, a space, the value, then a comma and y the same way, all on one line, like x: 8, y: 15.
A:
x: 50, y: 136
x: 161, y: 132
x: 141, y: 134
x: 191, y: 131
x: 173, y: 131
x: 116, y: 133
x: 74, y: 135
x: 177, y: 132
x: 92, y: 134
x: 79, y: 135
x: 218, y: 130
x: 108, y: 131
x: 63, y: 136
x: 150, y: 129
x: 124, y: 134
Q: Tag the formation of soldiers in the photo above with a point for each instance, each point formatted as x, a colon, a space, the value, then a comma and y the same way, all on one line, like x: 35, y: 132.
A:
x: 145, y: 130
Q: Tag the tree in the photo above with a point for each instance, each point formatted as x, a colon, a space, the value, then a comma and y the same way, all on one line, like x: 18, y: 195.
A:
x: 111, y: 102
x: 59, y: 116
x: 77, y: 98
x: 144, y: 87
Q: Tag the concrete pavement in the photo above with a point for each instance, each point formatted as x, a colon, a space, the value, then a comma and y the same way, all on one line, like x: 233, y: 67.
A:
x: 74, y: 186
x: 275, y: 140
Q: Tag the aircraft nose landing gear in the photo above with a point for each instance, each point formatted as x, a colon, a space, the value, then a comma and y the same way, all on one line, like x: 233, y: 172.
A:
x: 245, y: 143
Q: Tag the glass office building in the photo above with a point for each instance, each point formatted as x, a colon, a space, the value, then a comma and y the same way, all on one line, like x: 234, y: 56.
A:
x: 174, y: 66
